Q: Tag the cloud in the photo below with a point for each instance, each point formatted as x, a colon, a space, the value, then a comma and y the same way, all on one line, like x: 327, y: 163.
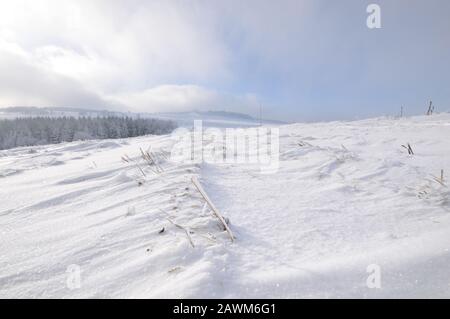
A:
x: 24, y: 82
x: 93, y: 54
x: 166, y: 38
x: 300, y: 59
x: 176, y: 98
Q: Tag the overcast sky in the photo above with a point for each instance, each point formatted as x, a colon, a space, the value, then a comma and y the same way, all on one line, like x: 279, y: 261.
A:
x: 302, y: 60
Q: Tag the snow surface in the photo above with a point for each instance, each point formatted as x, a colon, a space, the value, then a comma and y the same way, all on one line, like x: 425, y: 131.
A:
x: 347, y: 195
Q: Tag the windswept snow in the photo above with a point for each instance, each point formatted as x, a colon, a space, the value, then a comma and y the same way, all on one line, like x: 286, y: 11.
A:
x: 347, y: 195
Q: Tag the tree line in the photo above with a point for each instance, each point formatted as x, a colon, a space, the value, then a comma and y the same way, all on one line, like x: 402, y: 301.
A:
x: 45, y: 130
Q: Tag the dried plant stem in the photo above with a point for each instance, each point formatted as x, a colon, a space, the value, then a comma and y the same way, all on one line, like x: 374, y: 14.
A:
x: 185, y: 230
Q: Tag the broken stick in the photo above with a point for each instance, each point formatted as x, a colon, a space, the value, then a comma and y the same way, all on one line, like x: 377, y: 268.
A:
x: 211, y: 205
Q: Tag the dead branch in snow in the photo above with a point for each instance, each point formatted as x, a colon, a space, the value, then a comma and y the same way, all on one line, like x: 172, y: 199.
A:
x: 211, y: 205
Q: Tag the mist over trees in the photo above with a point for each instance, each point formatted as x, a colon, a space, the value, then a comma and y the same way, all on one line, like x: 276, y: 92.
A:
x: 46, y: 130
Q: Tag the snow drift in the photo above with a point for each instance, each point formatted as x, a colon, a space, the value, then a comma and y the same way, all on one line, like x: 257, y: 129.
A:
x: 346, y: 196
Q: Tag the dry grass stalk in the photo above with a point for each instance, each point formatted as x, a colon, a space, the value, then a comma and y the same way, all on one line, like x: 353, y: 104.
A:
x: 148, y: 160
x: 151, y: 161
x: 127, y: 159
x: 430, y: 108
x: 409, y: 149
x: 440, y: 179
x: 185, y: 230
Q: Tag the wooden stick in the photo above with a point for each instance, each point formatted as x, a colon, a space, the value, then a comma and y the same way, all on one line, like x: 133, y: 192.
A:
x: 442, y: 175
x: 211, y: 205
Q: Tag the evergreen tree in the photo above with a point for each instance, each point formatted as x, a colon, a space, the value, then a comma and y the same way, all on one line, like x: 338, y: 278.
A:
x: 45, y: 130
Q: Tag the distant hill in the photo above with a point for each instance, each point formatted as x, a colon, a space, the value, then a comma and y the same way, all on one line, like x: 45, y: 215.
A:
x: 186, y: 119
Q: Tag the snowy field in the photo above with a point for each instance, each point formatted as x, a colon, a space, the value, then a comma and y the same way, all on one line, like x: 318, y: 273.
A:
x: 347, y: 195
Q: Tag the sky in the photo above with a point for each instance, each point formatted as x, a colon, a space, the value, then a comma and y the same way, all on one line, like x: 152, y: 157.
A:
x: 299, y: 60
